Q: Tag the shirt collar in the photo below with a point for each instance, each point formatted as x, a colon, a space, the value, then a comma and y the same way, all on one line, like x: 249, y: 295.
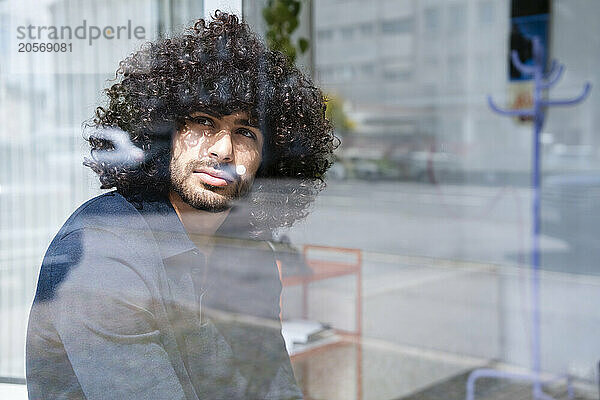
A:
x: 166, y: 227
x: 170, y: 234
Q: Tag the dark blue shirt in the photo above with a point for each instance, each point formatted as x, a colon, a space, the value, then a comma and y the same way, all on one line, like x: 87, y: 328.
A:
x: 128, y: 308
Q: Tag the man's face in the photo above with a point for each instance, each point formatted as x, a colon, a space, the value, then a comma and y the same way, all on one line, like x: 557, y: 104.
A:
x: 214, y: 159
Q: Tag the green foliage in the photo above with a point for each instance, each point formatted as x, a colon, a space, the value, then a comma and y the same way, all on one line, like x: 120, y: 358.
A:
x: 281, y: 17
x: 336, y: 114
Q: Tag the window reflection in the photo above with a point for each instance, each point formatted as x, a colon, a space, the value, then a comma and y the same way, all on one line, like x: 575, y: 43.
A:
x: 428, y: 186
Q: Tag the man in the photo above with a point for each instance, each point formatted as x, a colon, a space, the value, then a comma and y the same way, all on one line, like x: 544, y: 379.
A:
x: 167, y: 287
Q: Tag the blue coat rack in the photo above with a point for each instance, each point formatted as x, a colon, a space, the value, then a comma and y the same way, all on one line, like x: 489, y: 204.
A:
x: 541, y: 82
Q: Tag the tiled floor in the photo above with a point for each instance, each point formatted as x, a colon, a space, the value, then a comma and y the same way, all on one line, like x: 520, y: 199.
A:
x: 492, y: 389
x: 426, y: 323
x: 374, y: 371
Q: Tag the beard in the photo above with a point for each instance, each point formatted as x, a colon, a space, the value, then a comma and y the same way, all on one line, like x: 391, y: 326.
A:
x: 203, y: 196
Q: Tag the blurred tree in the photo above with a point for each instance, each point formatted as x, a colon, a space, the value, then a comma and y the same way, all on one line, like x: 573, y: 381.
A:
x: 337, y: 115
x: 281, y: 17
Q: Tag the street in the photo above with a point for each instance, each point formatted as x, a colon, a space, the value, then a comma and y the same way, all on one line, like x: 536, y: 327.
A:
x: 474, y: 223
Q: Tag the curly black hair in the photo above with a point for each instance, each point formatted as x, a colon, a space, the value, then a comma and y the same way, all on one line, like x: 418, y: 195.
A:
x: 224, y: 67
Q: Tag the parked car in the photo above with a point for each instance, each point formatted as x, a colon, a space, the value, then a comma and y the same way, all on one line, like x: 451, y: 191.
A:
x: 425, y: 165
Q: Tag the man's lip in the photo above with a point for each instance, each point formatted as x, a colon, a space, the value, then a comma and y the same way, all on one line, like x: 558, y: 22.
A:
x: 215, y: 174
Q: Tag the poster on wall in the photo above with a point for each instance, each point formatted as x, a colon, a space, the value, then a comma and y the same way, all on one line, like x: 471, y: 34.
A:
x: 529, y: 18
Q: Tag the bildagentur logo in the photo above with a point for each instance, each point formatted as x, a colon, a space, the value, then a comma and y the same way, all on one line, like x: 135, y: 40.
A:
x: 81, y: 32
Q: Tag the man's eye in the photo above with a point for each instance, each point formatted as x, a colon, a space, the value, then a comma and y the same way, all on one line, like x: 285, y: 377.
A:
x: 202, y: 121
x: 246, y: 132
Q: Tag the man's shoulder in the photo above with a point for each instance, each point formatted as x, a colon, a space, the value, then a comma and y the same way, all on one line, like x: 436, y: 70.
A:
x: 103, y: 227
x: 105, y: 238
x: 105, y: 224
x: 109, y: 211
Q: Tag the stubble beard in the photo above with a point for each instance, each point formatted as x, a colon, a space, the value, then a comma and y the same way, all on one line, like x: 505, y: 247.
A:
x: 202, y: 196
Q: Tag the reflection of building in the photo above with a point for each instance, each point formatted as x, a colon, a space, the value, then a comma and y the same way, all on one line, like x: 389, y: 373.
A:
x: 416, y: 74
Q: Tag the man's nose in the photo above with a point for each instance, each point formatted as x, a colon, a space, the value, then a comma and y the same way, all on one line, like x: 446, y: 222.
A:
x: 221, y: 149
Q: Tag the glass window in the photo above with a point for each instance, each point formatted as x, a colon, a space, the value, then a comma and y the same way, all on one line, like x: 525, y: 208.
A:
x: 368, y: 69
x: 456, y: 71
x: 432, y: 19
x: 325, y: 34
x: 348, y: 220
x: 347, y: 32
x: 457, y: 17
x: 396, y: 26
x: 396, y: 71
x: 366, y: 29
x: 449, y: 177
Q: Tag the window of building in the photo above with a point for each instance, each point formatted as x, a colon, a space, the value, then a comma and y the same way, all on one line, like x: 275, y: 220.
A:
x: 325, y: 34
x: 366, y: 29
x: 397, y: 74
x: 432, y: 19
x: 485, y: 11
x: 456, y: 72
x: 457, y: 18
x: 398, y: 26
x: 347, y: 32
x: 367, y: 69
